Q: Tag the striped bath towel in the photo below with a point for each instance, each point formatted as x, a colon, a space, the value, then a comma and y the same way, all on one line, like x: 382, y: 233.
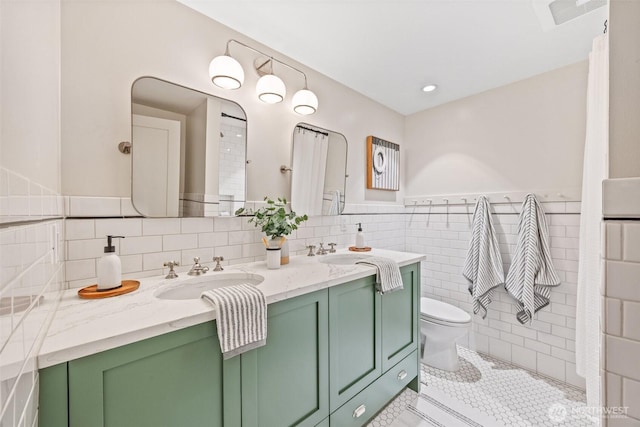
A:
x: 388, y: 277
x: 483, y: 266
x: 531, y: 275
x: 241, y: 318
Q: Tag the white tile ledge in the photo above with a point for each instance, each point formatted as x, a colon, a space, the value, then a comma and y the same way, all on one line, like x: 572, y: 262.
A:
x: 621, y: 198
x: 84, y: 327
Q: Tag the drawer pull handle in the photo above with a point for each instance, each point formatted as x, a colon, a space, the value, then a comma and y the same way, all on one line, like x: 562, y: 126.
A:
x: 360, y: 410
x: 402, y: 375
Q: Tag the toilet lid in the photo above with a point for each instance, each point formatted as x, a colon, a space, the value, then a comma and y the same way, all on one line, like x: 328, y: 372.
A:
x: 438, y: 310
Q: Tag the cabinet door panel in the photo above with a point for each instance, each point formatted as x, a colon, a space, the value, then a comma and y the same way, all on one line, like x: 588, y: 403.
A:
x: 354, y: 325
x: 400, y: 319
x: 170, y: 380
x: 285, y: 382
x: 53, y: 399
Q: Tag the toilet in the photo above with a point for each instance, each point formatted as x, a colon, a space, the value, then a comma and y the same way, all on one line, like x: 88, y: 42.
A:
x: 441, y: 324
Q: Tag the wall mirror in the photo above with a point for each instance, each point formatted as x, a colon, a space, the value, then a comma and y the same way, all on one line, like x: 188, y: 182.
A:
x: 319, y: 170
x: 188, y: 151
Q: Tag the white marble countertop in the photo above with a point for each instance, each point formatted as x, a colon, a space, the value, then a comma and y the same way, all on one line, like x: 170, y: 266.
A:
x: 83, y: 327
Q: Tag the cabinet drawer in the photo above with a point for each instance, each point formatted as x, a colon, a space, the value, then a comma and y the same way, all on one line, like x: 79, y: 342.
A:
x: 362, y: 407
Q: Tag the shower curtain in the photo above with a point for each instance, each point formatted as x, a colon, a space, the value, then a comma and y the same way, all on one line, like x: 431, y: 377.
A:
x: 309, y: 164
x: 595, y: 170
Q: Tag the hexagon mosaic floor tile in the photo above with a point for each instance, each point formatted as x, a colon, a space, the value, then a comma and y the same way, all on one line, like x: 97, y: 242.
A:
x: 486, y: 392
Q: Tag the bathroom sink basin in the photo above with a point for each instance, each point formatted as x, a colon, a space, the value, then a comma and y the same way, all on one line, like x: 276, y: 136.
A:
x: 193, y: 289
x: 342, y: 259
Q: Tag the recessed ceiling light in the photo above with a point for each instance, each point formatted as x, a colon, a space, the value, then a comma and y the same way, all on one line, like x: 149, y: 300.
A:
x: 429, y: 88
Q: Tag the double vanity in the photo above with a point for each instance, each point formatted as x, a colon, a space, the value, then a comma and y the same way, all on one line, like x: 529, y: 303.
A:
x: 337, y: 351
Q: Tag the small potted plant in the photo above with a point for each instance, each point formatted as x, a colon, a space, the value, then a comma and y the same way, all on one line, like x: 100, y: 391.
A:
x: 274, y: 221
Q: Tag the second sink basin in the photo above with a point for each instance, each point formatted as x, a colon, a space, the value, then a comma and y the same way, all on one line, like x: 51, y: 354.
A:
x: 193, y: 289
x: 342, y: 259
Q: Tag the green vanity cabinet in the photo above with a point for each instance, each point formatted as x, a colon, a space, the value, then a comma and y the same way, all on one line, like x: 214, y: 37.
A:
x: 369, y: 334
x: 328, y: 354
x: 176, y: 379
x: 286, y: 382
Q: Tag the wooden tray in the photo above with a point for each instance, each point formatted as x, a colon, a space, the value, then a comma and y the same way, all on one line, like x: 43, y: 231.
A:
x: 92, y: 292
x: 354, y: 249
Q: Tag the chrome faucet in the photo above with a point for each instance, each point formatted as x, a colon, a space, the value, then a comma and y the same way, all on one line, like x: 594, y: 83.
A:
x: 311, y: 248
x: 217, y: 260
x: 172, y: 274
x: 333, y: 247
x: 321, y: 250
x: 197, y: 268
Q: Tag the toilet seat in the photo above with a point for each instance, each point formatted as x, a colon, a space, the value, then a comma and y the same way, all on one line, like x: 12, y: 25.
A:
x: 442, y: 313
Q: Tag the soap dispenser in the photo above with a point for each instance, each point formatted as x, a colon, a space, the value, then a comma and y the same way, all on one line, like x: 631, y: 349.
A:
x: 360, y: 237
x: 109, y: 267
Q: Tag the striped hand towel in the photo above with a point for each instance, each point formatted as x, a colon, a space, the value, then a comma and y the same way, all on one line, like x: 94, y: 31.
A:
x: 483, y: 265
x: 531, y: 275
x: 241, y: 318
x: 388, y: 277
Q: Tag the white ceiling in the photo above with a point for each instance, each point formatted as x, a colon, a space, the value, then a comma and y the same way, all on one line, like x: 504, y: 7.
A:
x: 388, y: 49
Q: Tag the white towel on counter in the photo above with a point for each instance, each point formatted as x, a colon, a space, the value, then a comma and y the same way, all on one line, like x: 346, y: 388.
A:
x: 241, y: 318
x: 483, y: 265
x: 531, y: 275
x: 388, y: 277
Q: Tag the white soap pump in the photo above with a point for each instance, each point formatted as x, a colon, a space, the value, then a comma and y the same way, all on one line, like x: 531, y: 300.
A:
x: 360, y: 237
x: 109, y: 267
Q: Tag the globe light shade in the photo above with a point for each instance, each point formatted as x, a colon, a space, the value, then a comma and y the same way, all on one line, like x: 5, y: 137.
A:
x: 305, y: 102
x: 226, y: 72
x: 270, y: 89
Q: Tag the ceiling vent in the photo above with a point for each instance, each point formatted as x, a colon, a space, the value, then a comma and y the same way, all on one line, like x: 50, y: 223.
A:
x: 552, y: 13
x: 566, y: 10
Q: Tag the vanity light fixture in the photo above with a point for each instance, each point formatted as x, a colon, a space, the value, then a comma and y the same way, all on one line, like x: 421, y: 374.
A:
x: 429, y: 88
x: 304, y: 101
x: 227, y: 73
x: 270, y: 88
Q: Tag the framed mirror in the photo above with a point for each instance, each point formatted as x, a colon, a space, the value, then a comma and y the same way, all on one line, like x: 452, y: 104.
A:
x: 188, y: 151
x: 318, y: 170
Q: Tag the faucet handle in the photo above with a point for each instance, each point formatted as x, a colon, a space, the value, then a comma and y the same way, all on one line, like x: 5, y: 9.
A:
x: 172, y: 274
x: 333, y: 247
x: 311, y: 249
x: 196, y: 259
x: 217, y: 260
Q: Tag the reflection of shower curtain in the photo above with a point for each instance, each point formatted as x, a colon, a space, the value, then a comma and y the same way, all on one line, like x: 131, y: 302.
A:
x: 309, y: 166
x: 590, y: 259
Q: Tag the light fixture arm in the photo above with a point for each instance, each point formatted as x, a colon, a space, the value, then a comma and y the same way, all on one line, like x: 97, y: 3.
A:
x: 271, y: 59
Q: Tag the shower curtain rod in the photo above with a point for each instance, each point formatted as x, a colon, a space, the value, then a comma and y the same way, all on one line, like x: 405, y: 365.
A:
x: 312, y: 130
x: 233, y: 117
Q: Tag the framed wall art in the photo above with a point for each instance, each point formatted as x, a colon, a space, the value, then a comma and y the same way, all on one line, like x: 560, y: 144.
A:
x: 383, y: 164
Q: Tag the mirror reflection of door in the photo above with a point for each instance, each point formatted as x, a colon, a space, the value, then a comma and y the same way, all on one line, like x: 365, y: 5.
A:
x: 211, y: 156
x: 318, y: 173
x: 157, y: 156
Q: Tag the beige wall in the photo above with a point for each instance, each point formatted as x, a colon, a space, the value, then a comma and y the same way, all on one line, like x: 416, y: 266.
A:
x: 107, y: 45
x: 528, y: 135
x: 30, y: 90
x: 624, y: 89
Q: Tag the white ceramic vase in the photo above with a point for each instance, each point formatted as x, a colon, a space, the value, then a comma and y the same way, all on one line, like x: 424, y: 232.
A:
x: 284, y: 248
